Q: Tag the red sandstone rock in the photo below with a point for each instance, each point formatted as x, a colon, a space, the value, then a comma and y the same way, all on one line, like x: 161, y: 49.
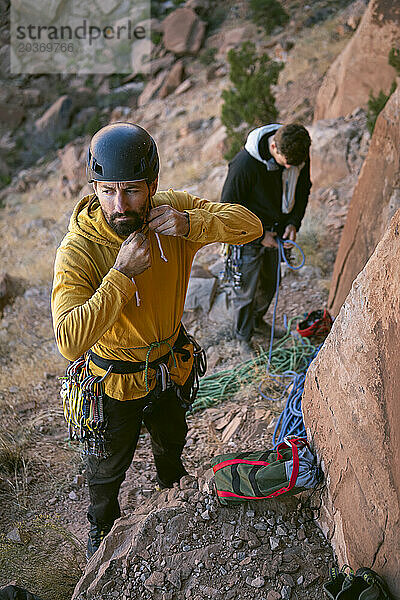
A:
x: 151, y: 89
x: 183, y: 31
x: 352, y: 414
x: 214, y: 148
x: 72, y: 169
x: 53, y: 121
x: 375, y: 199
x: 338, y: 149
x: 173, y: 80
x: 363, y: 65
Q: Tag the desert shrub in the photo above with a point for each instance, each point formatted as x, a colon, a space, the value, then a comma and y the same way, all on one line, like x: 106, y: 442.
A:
x: 268, y: 14
x: 377, y: 103
x: 207, y: 56
x: 249, y: 102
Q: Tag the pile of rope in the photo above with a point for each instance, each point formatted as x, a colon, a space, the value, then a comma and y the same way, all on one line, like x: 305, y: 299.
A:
x: 288, y: 357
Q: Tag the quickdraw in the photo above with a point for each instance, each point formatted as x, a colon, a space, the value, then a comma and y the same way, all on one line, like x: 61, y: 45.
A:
x: 82, y: 394
x: 232, y: 273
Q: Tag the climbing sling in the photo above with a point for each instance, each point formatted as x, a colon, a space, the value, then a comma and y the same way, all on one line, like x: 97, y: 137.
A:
x: 290, y: 468
x: 83, y: 393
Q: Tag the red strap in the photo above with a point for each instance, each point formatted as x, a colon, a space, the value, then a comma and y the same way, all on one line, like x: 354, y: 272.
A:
x: 239, y: 461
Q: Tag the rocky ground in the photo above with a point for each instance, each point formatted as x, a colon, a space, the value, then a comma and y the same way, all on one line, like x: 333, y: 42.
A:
x: 183, y: 544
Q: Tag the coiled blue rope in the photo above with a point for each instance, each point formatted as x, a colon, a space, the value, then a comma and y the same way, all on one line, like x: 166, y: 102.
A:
x: 282, y: 256
x: 290, y: 420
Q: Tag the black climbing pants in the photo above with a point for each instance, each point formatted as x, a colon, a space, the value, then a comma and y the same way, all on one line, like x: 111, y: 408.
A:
x: 258, y: 268
x: 164, y: 418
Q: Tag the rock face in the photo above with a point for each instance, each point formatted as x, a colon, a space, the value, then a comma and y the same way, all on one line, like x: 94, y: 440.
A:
x: 352, y: 414
x: 375, y: 199
x: 72, y: 170
x: 54, y: 121
x: 183, y: 32
x: 363, y: 65
x: 338, y: 149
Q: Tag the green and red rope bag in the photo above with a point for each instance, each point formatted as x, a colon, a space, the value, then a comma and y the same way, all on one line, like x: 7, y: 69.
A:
x: 261, y: 475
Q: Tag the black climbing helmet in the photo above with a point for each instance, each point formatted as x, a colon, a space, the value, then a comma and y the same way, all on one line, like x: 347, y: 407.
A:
x: 122, y: 152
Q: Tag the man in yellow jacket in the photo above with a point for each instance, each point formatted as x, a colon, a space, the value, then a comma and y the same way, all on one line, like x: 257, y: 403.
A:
x: 120, y: 281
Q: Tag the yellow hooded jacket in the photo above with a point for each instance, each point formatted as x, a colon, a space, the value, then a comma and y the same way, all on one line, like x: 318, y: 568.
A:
x: 95, y: 306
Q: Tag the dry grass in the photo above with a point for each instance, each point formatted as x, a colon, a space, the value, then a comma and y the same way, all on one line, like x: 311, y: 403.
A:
x: 317, y: 48
x: 31, y: 228
x: 48, y: 560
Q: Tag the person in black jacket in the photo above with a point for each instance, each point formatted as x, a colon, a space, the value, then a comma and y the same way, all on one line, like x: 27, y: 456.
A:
x: 271, y: 177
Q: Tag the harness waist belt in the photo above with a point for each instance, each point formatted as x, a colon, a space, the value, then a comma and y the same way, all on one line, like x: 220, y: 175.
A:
x: 122, y: 367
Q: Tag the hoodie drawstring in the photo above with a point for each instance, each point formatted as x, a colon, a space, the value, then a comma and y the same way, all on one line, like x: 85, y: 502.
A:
x: 162, y: 255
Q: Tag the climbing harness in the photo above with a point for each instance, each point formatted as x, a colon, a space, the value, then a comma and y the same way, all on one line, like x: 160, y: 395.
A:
x: 83, y: 393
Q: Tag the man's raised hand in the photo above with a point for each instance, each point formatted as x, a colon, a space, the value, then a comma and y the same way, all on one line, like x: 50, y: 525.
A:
x: 167, y: 220
x: 134, y: 255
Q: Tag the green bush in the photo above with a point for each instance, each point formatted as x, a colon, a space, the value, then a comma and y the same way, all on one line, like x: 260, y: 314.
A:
x: 249, y: 102
x: 377, y: 103
x: 268, y: 14
x: 207, y: 56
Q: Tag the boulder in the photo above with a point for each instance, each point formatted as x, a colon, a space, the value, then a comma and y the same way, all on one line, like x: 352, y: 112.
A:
x: 173, y: 80
x: 183, y: 31
x: 140, y: 56
x: 363, y: 65
x: 214, y: 148
x: 200, y: 294
x: 53, y: 122
x: 72, y: 169
x: 375, y: 199
x: 352, y: 414
x: 339, y: 147
x: 162, y: 63
x: 151, y: 88
x: 183, y: 87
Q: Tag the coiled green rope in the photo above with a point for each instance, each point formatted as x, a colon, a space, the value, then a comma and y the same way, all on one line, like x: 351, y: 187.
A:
x: 290, y: 355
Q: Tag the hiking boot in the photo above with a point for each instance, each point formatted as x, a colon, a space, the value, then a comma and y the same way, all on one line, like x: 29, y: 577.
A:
x: 95, y: 537
x: 263, y: 328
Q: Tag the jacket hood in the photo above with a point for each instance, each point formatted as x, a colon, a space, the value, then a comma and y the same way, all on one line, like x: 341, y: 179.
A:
x: 88, y: 220
x: 253, y: 140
